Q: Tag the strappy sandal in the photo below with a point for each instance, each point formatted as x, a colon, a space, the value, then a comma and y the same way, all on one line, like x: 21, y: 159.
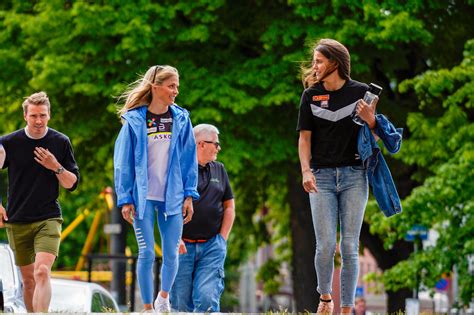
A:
x: 325, y: 306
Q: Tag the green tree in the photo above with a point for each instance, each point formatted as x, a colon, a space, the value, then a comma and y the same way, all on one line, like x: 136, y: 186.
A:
x: 239, y: 65
x: 442, y: 145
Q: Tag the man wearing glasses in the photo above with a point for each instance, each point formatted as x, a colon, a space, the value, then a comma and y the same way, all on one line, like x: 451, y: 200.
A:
x: 200, y: 279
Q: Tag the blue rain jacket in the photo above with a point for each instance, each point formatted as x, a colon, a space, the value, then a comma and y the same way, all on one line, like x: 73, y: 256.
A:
x: 131, y: 162
x: 380, y: 178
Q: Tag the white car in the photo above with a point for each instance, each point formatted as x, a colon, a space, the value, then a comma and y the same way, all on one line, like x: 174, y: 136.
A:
x: 71, y: 296
x: 11, y: 287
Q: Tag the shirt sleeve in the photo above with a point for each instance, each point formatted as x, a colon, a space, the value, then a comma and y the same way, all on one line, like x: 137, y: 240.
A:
x: 228, y: 194
x: 69, y: 163
x: 124, y: 166
x: 305, y: 115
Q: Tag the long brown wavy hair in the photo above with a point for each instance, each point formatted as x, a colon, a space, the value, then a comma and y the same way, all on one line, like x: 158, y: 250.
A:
x: 335, y: 52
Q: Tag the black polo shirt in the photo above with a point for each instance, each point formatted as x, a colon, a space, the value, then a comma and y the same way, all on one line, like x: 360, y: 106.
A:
x: 327, y: 114
x: 214, y: 188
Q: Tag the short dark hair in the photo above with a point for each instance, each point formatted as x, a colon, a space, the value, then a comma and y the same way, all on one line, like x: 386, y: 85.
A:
x: 40, y: 98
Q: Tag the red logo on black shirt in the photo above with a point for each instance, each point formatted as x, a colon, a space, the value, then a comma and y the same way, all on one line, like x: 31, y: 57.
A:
x: 321, y: 97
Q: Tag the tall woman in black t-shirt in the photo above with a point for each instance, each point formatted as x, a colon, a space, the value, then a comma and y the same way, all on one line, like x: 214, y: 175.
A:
x: 332, y: 172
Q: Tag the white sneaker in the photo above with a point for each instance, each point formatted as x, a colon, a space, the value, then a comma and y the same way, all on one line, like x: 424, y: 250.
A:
x: 162, y: 305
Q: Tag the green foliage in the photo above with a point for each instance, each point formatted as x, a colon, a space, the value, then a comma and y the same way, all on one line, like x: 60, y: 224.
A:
x: 268, y: 274
x: 442, y: 143
x: 239, y: 64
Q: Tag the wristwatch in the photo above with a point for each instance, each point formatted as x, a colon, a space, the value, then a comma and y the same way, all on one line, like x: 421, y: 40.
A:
x: 60, y: 170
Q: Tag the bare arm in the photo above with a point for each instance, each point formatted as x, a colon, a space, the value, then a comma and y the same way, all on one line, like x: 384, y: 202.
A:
x: 3, y: 212
x: 3, y: 216
x: 228, y: 219
x: 3, y: 154
x: 188, y: 209
x: 304, y: 152
x: 47, y: 159
x: 66, y: 179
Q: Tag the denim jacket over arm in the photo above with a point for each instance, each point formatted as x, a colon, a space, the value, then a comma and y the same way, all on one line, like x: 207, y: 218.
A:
x: 380, y: 178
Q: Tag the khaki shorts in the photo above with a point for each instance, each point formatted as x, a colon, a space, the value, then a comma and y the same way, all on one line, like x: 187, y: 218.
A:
x: 28, y: 239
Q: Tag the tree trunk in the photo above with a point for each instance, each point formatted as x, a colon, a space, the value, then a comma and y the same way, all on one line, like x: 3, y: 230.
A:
x: 303, y: 245
x: 396, y: 300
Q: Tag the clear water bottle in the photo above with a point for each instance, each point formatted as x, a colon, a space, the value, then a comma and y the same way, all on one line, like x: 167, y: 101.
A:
x: 373, y: 92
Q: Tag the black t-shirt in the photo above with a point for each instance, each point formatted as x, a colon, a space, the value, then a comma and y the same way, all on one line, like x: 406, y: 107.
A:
x: 32, y: 189
x: 214, y: 188
x: 327, y: 114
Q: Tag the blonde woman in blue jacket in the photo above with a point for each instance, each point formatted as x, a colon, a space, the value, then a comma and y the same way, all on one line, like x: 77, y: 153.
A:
x: 155, y: 168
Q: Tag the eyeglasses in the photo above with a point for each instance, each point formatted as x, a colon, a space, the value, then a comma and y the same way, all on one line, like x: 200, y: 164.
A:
x: 216, y: 144
x: 154, y: 72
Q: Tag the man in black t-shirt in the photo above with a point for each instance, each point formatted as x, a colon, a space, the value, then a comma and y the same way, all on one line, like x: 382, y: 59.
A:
x: 38, y: 159
x: 200, y: 279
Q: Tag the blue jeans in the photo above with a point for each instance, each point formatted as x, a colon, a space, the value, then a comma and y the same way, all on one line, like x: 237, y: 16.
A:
x: 200, y: 280
x: 171, y: 228
x: 342, y: 196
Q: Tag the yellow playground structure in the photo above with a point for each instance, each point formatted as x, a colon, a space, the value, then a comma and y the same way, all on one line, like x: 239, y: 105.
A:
x: 97, y: 276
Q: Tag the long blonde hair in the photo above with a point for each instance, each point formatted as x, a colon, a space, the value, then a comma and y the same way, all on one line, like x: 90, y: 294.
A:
x: 335, y: 52
x: 139, y: 92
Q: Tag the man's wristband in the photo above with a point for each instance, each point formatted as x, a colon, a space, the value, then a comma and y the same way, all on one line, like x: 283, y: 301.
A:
x: 306, y: 170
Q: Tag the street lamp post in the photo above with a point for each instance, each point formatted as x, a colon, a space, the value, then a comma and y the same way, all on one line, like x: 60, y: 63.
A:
x: 416, y: 234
